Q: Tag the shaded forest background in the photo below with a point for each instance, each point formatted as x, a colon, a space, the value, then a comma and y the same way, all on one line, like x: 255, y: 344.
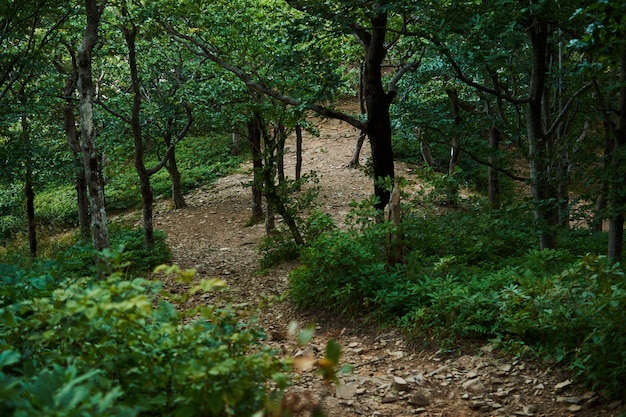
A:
x: 514, y: 113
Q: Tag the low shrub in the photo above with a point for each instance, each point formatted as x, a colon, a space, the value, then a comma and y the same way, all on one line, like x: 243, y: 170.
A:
x: 113, y: 346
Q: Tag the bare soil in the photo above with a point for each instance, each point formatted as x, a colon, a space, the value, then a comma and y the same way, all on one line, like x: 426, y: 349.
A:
x: 390, y: 376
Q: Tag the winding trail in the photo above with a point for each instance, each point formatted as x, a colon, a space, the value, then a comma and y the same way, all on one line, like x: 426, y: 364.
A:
x: 390, y: 377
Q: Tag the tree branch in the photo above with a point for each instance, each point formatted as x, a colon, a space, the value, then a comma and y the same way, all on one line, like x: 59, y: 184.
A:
x: 566, y: 108
x: 203, y: 50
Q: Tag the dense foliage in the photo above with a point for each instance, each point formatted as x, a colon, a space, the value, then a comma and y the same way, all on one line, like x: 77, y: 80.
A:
x: 519, y: 102
x: 103, y: 347
x: 474, y: 274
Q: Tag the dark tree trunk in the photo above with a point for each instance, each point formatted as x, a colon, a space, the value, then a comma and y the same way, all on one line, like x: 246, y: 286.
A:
x: 543, y: 190
x: 492, y: 174
x: 147, y: 197
x: 354, y: 162
x: 91, y: 159
x: 280, y: 136
x: 73, y: 141
x: 172, y: 169
x: 254, y: 137
x: 617, y: 191
x: 298, y: 152
x: 30, y: 211
x: 455, y: 142
x: 601, y: 198
x: 378, y: 102
x: 29, y: 193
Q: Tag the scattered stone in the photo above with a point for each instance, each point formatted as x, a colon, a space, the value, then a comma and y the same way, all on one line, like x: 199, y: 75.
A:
x: 390, y: 397
x: 420, y: 399
x: 400, y: 384
x: 571, y: 400
x: 465, y: 396
x: 561, y: 386
x: 529, y: 410
x: 614, y: 404
x: 347, y: 391
x: 353, y: 344
x: 574, y: 408
x: 472, y: 374
x: 473, y: 385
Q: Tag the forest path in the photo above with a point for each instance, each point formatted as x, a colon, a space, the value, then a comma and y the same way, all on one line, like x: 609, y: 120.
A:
x: 390, y: 377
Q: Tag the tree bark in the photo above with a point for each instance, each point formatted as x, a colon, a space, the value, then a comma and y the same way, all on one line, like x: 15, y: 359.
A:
x: 147, y: 196
x: 543, y: 191
x: 254, y: 137
x: 298, y: 152
x: 378, y: 102
x: 493, y: 187
x: 617, y: 192
x: 354, y: 162
x: 91, y: 159
x: 29, y: 192
x: 73, y: 140
x: 172, y: 169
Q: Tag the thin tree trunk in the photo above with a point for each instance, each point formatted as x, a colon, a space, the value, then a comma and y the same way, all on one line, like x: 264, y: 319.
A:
x: 30, y: 211
x: 492, y: 174
x: 601, y: 199
x: 455, y: 142
x: 235, y: 149
x: 147, y: 197
x: 91, y: 159
x: 543, y: 191
x: 280, y: 137
x: 427, y: 154
x: 29, y: 193
x: 354, y: 162
x: 174, y: 173
x: 617, y: 194
x: 254, y: 137
x: 73, y: 141
x: 298, y: 152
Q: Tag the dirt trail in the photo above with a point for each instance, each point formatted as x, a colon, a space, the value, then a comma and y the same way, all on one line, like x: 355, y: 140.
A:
x: 390, y: 378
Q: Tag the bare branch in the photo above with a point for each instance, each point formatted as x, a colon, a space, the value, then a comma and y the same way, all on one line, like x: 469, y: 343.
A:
x: 565, y: 109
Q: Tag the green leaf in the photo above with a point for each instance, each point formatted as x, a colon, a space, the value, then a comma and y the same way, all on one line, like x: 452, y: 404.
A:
x: 9, y: 357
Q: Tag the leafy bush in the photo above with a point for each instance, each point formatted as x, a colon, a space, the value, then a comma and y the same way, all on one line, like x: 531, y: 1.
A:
x: 575, y: 316
x: 115, y: 347
x: 473, y: 273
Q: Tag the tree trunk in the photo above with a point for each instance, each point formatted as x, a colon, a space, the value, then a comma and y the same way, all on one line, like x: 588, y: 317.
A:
x: 73, y: 141
x: 235, y: 149
x: 172, y: 169
x: 455, y: 142
x: 29, y: 193
x: 617, y: 193
x: 298, y: 152
x: 30, y: 211
x: 540, y: 146
x: 254, y: 137
x: 492, y: 174
x: 354, y: 162
x: 378, y: 102
x: 280, y: 137
x: 91, y: 160
x: 147, y: 197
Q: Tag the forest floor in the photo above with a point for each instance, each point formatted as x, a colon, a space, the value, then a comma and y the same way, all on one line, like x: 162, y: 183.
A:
x: 390, y: 376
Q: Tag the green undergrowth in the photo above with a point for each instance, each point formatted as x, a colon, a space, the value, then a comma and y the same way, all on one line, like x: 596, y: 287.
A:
x: 473, y: 274
x: 200, y: 161
x: 79, y: 345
